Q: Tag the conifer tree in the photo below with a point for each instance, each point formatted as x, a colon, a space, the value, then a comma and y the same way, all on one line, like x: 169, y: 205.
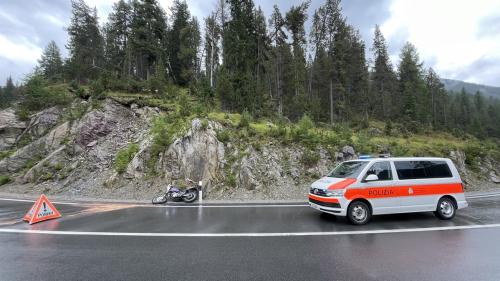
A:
x: 51, y: 63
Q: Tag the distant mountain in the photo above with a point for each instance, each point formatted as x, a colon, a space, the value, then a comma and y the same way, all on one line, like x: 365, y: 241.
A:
x: 456, y: 86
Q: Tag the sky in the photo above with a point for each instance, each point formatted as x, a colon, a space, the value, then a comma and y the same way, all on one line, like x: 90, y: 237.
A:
x: 458, y: 39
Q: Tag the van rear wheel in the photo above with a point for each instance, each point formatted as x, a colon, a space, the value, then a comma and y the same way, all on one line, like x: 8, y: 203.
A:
x: 445, y: 209
x: 358, y: 213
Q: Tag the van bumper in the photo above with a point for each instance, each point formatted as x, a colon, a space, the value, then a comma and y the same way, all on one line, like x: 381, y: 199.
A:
x: 327, y: 205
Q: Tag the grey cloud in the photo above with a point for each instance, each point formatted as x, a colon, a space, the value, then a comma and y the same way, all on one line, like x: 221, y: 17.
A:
x: 29, y: 21
x: 489, y: 26
x: 484, y: 70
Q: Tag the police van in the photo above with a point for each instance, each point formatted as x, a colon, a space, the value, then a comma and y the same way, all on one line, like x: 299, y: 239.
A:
x: 370, y: 186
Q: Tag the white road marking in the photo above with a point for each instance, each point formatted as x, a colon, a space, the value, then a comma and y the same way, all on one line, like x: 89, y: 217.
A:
x: 251, y: 234
x: 164, y: 206
x: 305, y: 204
x: 227, y: 206
x: 54, y: 202
x: 482, y: 196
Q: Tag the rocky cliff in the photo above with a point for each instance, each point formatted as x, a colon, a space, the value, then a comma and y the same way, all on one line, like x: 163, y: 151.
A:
x: 73, y: 151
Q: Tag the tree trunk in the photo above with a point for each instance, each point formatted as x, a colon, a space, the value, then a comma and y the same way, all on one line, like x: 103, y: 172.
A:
x: 331, y: 102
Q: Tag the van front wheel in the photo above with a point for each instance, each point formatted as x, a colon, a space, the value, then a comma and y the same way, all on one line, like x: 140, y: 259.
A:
x: 358, y: 213
x: 445, y: 209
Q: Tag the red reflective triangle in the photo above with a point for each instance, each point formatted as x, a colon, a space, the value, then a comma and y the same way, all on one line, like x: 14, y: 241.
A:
x: 42, y: 210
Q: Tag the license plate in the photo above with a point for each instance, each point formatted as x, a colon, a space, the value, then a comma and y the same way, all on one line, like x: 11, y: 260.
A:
x: 314, y: 206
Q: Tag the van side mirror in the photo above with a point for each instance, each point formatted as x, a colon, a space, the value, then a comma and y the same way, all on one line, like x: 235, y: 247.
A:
x: 371, y: 177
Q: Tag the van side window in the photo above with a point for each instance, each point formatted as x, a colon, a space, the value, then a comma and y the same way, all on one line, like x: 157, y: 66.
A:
x: 422, y: 169
x: 382, y: 170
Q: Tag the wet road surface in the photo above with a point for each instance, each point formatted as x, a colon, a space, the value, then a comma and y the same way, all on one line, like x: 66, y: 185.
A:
x: 451, y: 254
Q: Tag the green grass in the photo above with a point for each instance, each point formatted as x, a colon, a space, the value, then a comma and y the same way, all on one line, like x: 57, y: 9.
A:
x: 371, y: 138
x: 4, y: 180
x: 124, y: 156
x: 5, y: 154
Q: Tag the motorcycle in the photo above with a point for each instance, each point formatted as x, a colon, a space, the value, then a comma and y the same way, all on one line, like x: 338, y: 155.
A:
x: 175, y: 194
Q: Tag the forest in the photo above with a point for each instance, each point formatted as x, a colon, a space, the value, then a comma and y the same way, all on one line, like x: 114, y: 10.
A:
x: 238, y: 60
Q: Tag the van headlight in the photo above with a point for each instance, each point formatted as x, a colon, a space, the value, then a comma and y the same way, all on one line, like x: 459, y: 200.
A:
x: 335, y: 193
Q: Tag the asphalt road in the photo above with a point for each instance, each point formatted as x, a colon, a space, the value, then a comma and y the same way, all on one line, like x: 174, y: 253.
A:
x: 239, y: 242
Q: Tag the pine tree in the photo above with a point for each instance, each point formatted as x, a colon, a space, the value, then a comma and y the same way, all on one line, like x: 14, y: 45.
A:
x: 240, y: 53
x: 9, y: 92
x: 327, y: 22
x: 410, y: 82
x: 278, y: 38
x: 436, y: 88
x: 295, y: 20
x: 117, y: 32
x: 51, y: 63
x: 383, y: 78
x: 148, y: 37
x: 357, y: 99
x: 183, y: 43
x: 85, y: 42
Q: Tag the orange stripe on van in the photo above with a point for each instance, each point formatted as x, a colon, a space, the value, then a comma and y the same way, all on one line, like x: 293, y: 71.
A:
x: 403, y: 191
x: 323, y: 199
x: 342, y: 184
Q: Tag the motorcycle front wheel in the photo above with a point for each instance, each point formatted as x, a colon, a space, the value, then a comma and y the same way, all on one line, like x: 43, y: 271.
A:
x: 190, y: 196
x: 159, y: 199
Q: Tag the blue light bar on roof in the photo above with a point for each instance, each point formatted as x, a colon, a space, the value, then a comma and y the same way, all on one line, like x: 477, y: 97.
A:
x: 365, y: 156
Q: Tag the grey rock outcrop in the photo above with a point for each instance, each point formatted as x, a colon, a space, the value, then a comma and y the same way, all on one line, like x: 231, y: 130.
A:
x: 197, y: 155
x: 36, y: 150
x: 10, y: 128
x: 42, y: 122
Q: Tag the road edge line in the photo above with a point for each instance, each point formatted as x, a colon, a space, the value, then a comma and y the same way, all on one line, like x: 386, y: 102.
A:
x: 271, y: 234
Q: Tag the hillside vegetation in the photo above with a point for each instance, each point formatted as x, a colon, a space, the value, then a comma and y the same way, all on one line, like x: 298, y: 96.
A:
x: 255, y: 103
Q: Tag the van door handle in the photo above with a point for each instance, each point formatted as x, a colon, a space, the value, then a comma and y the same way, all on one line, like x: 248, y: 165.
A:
x: 410, y: 190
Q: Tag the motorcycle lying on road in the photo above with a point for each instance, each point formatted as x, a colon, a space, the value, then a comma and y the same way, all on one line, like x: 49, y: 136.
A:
x: 175, y: 194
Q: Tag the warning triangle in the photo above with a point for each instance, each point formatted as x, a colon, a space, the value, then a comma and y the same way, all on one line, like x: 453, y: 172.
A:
x: 42, y: 210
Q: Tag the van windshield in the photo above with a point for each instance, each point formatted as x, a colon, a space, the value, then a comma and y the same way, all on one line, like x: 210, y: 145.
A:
x: 350, y: 169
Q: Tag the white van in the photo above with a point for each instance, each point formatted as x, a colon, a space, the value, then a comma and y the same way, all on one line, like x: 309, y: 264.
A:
x: 361, y: 188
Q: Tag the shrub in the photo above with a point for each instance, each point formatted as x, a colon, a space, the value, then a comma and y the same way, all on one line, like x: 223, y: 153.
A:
x: 245, y: 119
x: 473, y: 153
x: 47, y: 176
x: 58, y: 166
x: 4, y: 179
x: 39, y: 96
x: 23, y: 114
x: 204, y: 124
x: 362, y: 144
x: 97, y: 89
x: 223, y: 135
x: 134, y: 86
x: 230, y: 180
x: 78, y: 91
x: 305, y: 124
x: 309, y: 158
x: 185, y: 107
x: 388, y: 128
x: 156, y: 86
x: 5, y: 154
x: 124, y: 156
x: 164, y: 130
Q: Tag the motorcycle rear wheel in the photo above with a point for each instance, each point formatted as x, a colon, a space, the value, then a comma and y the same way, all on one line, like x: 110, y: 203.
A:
x: 159, y: 199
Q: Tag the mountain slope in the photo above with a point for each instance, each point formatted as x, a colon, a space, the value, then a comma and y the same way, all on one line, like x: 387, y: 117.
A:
x: 456, y: 86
